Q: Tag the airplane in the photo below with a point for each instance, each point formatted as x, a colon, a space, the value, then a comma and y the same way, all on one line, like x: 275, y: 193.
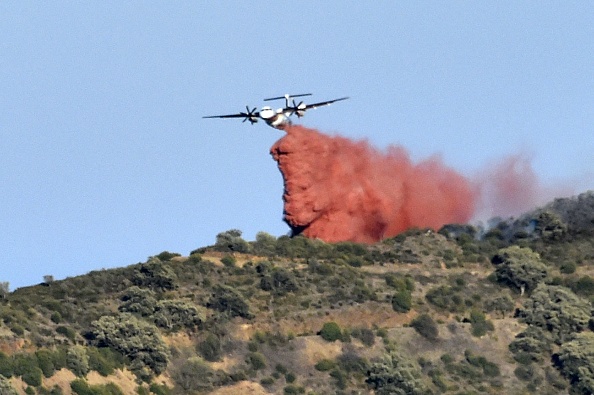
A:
x: 278, y: 119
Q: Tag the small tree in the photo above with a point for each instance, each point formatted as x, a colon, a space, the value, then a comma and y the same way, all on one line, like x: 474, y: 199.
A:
x: 425, y: 326
x: 576, y: 362
x: 77, y: 361
x: 134, y: 338
x: 231, y: 241
x: 4, y: 289
x: 395, y: 375
x: 331, y: 332
x: 519, y: 268
x: 228, y: 300
x: 557, y: 310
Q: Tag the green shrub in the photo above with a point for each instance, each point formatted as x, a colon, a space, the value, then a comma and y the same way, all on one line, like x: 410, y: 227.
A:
x: 479, y: 323
x: 134, y: 338
x: 45, y: 361
x: 6, y: 365
x: 210, y: 348
x: 194, y: 375
x: 228, y: 300
x: 78, y: 361
x: 519, y: 268
x: 331, y: 332
x: 325, y: 365
x: 256, y: 360
x: 402, y: 301
x: 229, y: 261
x: 395, y: 374
x: 159, y: 389
x: 425, y: 326
x: 576, y: 362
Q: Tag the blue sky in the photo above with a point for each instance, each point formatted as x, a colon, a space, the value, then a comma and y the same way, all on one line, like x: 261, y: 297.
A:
x: 105, y: 158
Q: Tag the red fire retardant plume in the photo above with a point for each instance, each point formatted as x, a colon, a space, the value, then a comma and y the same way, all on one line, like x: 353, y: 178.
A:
x: 338, y: 190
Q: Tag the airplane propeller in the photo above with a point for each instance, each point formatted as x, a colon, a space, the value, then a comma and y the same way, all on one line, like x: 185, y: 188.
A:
x: 298, y: 109
x: 250, y: 115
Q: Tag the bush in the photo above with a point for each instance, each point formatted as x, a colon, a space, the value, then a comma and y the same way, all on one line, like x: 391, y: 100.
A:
x: 6, y: 365
x: 77, y: 361
x: 155, y: 274
x: 366, y: 336
x: 576, y: 362
x: 402, y: 301
x: 210, y: 348
x: 257, y: 360
x: 194, y: 375
x: 331, y: 332
x: 425, y: 326
x: 395, y: 375
x: 479, y: 323
x: 557, y: 310
x: 519, y: 268
x: 136, y: 339
x: 228, y: 300
x: 325, y: 365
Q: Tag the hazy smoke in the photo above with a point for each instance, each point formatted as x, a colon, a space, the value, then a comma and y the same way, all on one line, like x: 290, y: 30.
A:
x: 511, y: 187
x: 337, y: 189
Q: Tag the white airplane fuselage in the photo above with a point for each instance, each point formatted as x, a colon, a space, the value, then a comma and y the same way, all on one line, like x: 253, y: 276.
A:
x: 277, y: 119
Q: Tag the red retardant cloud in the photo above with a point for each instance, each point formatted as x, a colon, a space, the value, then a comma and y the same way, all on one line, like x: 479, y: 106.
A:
x: 342, y: 190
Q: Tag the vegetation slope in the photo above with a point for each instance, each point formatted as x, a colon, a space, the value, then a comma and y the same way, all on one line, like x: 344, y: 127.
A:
x: 465, y: 310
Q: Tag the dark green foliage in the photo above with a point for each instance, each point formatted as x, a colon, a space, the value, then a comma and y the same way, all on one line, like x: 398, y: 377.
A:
x: 229, y: 261
x: 576, y: 362
x: 519, y: 268
x: 532, y: 345
x: 265, y: 244
x: 325, y: 365
x: 256, y: 360
x: 104, y: 360
x: 210, y: 348
x: 136, y: 339
x: 66, y: 332
x: 501, y: 304
x: 45, y: 361
x: 139, y: 301
x: 425, y: 326
x: 331, y: 332
x: 557, y: 310
x: 293, y: 390
x: 156, y: 275
x: 231, y: 241
x: 490, y: 369
x: 395, y: 375
x: 177, y: 314
x: 549, y: 226
x: 228, y: 300
x: 447, y: 298
x: 402, y: 301
x: 280, y: 281
x: 584, y: 286
x: 33, y: 376
x: 159, y: 389
x: 479, y: 323
x: 77, y: 361
x: 6, y: 365
x: 167, y: 256
x: 194, y: 375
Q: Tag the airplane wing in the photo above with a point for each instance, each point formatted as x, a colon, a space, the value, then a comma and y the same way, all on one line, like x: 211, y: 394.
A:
x: 323, y: 103
x: 250, y: 115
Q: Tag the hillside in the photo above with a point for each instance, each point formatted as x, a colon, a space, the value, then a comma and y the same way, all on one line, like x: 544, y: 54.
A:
x: 464, y: 310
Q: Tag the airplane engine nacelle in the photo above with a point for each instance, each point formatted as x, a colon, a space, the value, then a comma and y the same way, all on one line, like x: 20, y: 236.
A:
x: 267, y: 113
